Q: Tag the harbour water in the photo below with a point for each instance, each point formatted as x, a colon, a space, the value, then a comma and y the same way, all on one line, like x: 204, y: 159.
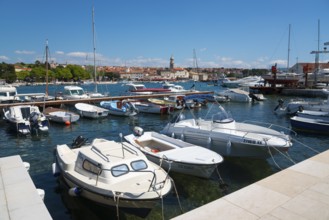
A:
x: 192, y: 192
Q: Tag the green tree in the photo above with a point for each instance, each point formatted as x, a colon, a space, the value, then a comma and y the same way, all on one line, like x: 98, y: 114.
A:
x: 77, y: 72
x: 7, y: 72
x: 38, y: 74
x: 22, y: 75
x: 63, y: 74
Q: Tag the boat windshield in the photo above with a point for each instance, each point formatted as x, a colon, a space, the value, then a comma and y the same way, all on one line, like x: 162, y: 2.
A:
x: 77, y: 92
x: 138, y: 165
x: 222, y: 116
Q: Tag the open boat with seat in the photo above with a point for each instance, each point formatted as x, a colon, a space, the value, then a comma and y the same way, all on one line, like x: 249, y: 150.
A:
x: 174, y: 154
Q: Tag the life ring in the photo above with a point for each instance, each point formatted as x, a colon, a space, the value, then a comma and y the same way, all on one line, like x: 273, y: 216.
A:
x: 154, y: 150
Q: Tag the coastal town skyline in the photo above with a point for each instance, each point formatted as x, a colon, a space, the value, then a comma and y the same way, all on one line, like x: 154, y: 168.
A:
x: 234, y: 34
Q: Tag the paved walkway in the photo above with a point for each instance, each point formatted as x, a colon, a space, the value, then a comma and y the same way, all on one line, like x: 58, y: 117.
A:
x: 19, y: 199
x: 298, y: 192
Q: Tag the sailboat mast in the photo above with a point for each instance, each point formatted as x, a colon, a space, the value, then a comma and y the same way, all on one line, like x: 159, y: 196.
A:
x: 288, y: 48
x: 93, y: 23
x: 47, y: 67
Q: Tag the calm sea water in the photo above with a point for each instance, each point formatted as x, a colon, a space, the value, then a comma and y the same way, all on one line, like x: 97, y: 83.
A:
x: 193, y: 192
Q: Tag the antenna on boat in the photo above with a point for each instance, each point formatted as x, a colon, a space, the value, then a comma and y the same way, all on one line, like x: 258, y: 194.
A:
x: 123, y: 152
x: 288, y: 49
x: 94, y: 48
x: 47, y: 52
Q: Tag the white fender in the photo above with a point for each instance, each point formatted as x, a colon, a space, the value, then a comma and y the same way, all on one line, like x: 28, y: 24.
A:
x: 228, y: 147
x: 41, y: 193
x: 26, y: 165
x: 55, y: 169
x: 75, y: 191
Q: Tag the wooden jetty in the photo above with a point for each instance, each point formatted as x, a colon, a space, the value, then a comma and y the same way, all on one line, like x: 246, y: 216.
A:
x: 95, y: 100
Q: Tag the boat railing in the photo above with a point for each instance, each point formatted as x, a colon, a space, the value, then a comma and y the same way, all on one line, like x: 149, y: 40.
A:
x: 273, y: 126
x: 232, y: 131
x: 129, y: 149
x: 153, y: 182
x: 99, y: 153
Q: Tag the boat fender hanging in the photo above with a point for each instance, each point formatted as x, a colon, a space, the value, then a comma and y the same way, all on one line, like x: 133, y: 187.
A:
x: 26, y: 165
x: 182, y: 137
x: 173, y: 135
x: 75, y: 191
x: 56, y: 171
x: 228, y: 147
x: 41, y: 193
x: 138, y: 131
x: 209, y: 142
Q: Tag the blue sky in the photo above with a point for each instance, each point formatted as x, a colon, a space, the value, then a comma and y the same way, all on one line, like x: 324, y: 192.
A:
x: 223, y: 33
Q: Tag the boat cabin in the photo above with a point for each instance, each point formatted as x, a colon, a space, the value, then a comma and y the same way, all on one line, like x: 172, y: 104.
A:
x: 8, y: 94
x: 74, y: 92
x: 111, y: 161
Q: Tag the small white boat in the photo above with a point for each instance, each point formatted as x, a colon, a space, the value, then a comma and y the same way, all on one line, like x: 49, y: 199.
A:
x: 148, y: 107
x: 235, y: 95
x: 227, y: 137
x: 180, y: 102
x: 140, y: 89
x: 298, y: 105
x: 26, y: 119
x: 8, y: 94
x: 313, y: 114
x: 120, y: 107
x: 174, y: 154
x: 111, y: 173
x: 310, y: 125
x: 91, y: 111
x: 61, y: 115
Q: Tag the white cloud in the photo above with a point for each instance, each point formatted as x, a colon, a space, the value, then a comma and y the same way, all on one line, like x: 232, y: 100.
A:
x: 60, y: 52
x: 77, y: 54
x: 24, y: 52
x: 4, y: 58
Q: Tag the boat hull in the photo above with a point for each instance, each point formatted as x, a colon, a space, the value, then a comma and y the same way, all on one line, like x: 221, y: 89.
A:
x: 231, y: 142
x: 310, y: 125
x: 198, y: 170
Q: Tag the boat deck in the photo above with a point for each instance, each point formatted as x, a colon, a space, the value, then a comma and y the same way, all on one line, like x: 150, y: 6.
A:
x: 298, y: 192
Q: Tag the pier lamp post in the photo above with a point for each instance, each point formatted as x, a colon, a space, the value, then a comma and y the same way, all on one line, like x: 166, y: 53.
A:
x: 317, y: 54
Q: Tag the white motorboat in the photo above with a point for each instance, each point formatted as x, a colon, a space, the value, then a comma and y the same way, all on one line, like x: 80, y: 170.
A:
x: 140, y: 89
x: 179, y: 101
x: 8, y: 94
x: 174, y: 154
x: 297, y: 105
x: 120, y: 107
x: 61, y: 115
x: 74, y: 93
x: 227, y: 137
x: 313, y: 114
x: 310, y: 125
x: 26, y: 119
x: 246, y: 81
x: 235, y: 95
x: 174, y: 88
x: 91, y: 111
x: 149, y: 107
x: 111, y: 173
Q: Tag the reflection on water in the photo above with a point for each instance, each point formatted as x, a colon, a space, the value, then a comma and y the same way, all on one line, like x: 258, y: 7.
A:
x: 192, y: 192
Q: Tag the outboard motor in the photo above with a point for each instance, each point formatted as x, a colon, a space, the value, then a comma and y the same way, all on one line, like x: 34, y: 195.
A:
x: 280, y: 105
x: 138, y: 131
x: 78, y: 142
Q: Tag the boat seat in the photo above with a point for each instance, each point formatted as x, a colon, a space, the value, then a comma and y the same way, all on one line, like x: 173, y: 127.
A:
x: 67, y: 155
